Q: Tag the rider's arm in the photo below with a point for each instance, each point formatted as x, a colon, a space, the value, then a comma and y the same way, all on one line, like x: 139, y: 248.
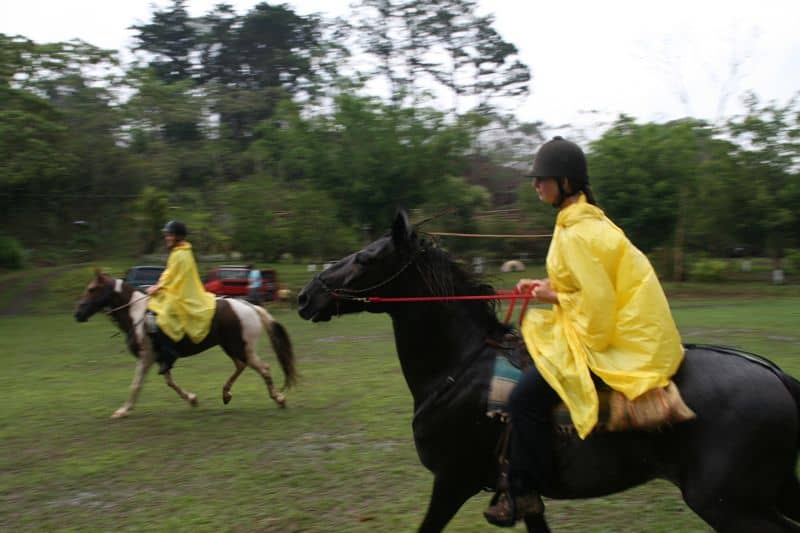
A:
x: 591, y: 304
x: 174, y: 271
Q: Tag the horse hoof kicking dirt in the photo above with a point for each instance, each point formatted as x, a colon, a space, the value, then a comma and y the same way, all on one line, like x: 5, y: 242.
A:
x: 236, y: 327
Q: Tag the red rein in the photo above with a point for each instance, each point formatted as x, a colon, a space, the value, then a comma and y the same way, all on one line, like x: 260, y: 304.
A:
x: 513, y: 296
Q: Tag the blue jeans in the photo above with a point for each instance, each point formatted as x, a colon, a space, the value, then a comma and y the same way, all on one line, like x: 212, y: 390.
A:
x: 531, y: 447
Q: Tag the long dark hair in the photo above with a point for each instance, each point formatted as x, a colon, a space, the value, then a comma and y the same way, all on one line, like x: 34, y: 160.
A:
x: 587, y: 190
x: 581, y: 186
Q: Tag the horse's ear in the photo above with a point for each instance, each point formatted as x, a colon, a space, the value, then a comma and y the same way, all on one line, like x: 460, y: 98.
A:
x: 98, y: 273
x: 401, y: 228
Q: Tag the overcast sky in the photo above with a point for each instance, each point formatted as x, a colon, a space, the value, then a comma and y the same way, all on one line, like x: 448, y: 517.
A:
x: 653, y: 60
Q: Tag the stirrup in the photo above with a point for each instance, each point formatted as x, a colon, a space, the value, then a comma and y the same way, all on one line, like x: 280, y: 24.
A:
x: 501, y: 510
x: 505, y: 510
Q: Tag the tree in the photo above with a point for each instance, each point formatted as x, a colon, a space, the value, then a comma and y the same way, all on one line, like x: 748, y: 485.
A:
x: 658, y: 182
x: 481, y: 64
x: 252, y: 62
x: 162, y: 134
x: 769, y: 139
x: 170, y: 40
x: 57, y: 129
x: 370, y: 157
x: 148, y: 214
x: 418, y: 43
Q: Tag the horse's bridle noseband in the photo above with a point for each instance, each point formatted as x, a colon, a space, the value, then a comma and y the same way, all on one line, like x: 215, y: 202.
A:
x: 352, y: 294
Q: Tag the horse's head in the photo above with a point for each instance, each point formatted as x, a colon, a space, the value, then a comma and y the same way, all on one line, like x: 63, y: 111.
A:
x: 98, y: 295
x: 378, y: 269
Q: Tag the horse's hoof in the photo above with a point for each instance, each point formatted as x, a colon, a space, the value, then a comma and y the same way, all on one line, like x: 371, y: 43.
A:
x: 226, y: 397
x: 193, y: 400
x: 120, y: 413
x: 280, y: 399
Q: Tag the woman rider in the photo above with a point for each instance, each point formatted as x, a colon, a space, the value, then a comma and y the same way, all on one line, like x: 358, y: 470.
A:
x: 610, y: 319
x: 181, y: 304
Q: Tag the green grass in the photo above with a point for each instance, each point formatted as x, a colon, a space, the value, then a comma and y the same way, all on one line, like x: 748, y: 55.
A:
x: 339, y: 458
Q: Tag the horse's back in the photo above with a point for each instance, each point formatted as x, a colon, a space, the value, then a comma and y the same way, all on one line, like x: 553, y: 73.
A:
x: 747, y: 418
x: 716, y: 379
x: 231, y: 323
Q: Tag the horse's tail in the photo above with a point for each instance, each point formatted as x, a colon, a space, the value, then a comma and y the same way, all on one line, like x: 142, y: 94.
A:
x: 281, y: 344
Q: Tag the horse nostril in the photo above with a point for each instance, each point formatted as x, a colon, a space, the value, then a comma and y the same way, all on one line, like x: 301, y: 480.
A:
x: 302, y: 298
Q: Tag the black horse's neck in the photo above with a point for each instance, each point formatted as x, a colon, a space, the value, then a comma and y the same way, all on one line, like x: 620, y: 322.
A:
x: 433, y: 344
x: 435, y: 340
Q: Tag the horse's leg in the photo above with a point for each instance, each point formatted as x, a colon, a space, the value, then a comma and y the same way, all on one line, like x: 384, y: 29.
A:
x: 447, y: 497
x: 732, y: 499
x: 789, y: 499
x: 188, y: 396
x: 143, y: 364
x: 226, y: 389
x: 262, y: 368
x: 766, y: 521
x: 536, y: 523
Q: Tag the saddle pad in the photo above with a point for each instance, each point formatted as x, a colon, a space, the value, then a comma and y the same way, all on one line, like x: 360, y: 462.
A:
x: 504, y: 378
x: 652, y: 410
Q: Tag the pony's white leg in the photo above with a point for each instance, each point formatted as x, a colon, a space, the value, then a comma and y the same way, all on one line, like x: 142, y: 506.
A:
x: 262, y: 368
x: 143, y: 364
x: 226, y: 389
x: 188, y: 396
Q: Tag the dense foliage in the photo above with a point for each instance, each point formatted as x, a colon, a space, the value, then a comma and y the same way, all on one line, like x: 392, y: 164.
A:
x: 259, y: 130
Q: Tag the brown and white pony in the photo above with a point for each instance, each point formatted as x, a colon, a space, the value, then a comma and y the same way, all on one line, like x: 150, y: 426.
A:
x: 236, y: 327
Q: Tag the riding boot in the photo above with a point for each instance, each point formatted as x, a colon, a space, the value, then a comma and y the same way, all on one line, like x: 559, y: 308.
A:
x: 167, y: 352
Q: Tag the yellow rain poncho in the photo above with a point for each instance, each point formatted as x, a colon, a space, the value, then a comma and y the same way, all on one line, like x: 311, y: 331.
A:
x: 612, y: 318
x: 182, y: 304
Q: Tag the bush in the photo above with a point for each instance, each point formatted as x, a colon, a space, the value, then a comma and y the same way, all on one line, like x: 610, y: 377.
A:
x: 792, y: 261
x: 10, y: 253
x: 708, y: 270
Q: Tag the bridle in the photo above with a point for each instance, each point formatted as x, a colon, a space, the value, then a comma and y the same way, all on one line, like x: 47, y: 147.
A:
x: 352, y: 295
x: 101, y: 302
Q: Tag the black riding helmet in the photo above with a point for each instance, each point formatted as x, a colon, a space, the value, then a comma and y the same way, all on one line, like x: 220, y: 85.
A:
x: 175, y: 227
x: 559, y: 158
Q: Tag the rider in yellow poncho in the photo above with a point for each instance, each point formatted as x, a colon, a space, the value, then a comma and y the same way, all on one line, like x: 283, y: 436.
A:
x: 612, y: 317
x: 609, y: 318
x: 182, y: 305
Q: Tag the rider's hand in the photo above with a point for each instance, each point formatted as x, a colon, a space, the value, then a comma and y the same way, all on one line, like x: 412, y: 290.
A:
x: 544, y: 292
x: 151, y: 289
x: 527, y: 286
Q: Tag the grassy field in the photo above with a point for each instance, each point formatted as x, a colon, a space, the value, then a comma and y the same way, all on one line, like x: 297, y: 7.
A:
x: 340, y: 458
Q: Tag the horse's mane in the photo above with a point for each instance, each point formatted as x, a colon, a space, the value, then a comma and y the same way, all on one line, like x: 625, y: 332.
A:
x: 443, y: 276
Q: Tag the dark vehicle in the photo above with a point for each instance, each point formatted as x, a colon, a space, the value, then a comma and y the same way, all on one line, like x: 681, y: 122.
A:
x: 142, y: 277
x: 232, y: 281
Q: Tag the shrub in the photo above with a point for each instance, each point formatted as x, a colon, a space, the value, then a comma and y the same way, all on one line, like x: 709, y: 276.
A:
x: 792, y: 260
x: 708, y: 270
x: 10, y: 253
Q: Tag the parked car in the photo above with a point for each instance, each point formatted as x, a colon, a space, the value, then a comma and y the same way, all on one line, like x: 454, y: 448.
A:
x: 143, y: 276
x: 232, y: 281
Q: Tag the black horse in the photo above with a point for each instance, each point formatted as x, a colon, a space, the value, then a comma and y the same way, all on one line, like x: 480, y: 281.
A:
x: 735, y: 464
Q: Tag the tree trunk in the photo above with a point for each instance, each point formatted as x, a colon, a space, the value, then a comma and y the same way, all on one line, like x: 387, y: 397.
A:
x: 678, y: 259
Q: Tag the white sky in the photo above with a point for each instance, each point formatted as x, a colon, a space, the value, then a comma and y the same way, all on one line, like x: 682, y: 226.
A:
x: 653, y: 60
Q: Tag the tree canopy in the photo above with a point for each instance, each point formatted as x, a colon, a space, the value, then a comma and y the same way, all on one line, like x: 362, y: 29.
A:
x: 260, y: 130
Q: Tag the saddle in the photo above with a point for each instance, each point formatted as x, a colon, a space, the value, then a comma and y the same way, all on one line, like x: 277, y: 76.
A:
x: 652, y: 410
